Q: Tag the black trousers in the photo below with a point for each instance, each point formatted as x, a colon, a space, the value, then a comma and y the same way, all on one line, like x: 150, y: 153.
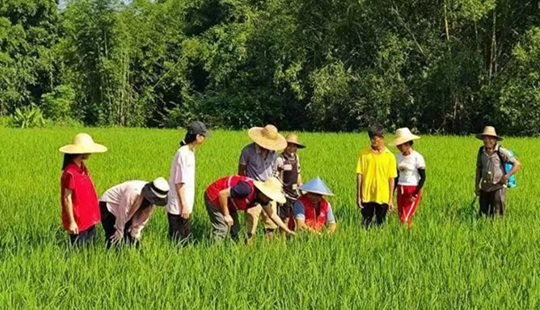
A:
x: 107, y: 221
x: 492, y: 203
x: 179, y: 228
x: 371, y: 209
x: 83, y: 237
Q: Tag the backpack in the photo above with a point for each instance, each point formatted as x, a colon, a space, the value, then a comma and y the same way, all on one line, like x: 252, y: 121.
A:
x: 506, y: 166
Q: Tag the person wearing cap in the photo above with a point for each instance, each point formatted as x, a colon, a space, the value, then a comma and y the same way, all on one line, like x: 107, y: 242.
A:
x: 288, y: 171
x: 411, y: 175
x: 127, y: 207
x: 376, y: 171
x: 79, y: 200
x: 182, y: 183
x: 227, y: 196
x: 311, y: 210
x: 491, y: 176
x: 258, y: 162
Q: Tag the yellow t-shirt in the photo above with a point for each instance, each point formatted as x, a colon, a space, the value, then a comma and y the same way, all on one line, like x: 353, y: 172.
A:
x: 376, y: 170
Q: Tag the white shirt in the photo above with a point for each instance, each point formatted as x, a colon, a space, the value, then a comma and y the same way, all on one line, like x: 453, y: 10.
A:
x: 119, y: 200
x: 182, y: 172
x: 408, y: 168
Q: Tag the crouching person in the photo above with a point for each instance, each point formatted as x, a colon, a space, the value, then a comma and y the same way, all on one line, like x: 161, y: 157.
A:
x: 228, y: 195
x: 312, y: 211
x: 127, y: 207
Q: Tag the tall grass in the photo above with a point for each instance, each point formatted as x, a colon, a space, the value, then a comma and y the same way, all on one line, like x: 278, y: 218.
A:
x: 450, y: 259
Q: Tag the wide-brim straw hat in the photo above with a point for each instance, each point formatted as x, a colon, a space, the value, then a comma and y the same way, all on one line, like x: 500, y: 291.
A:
x: 293, y: 139
x: 268, y: 137
x: 489, y: 131
x: 316, y: 186
x: 83, y: 144
x: 156, y: 192
x: 403, y: 135
x: 272, y: 188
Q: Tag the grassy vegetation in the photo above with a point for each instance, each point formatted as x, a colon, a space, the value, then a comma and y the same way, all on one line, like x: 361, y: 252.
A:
x: 450, y: 259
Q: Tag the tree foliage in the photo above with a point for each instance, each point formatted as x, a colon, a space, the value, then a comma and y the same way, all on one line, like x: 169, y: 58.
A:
x: 448, y: 66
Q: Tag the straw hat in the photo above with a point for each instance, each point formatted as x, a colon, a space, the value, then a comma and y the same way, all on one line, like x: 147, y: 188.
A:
x: 489, y: 131
x: 316, y: 186
x: 403, y: 135
x: 272, y: 188
x: 83, y: 144
x: 268, y: 137
x: 156, y: 191
x: 293, y: 139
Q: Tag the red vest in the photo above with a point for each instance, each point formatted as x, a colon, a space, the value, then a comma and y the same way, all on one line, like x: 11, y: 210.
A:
x: 212, y: 192
x: 312, y: 220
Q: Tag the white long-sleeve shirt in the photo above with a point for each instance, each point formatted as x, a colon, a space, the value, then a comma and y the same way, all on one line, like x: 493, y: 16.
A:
x: 120, y: 199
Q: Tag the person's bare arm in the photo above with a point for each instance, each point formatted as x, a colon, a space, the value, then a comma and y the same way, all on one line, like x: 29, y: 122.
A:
x: 181, y: 194
x: 68, y: 207
x: 391, y: 184
x: 359, y: 190
x: 331, y: 228
x: 242, y: 169
x: 275, y: 218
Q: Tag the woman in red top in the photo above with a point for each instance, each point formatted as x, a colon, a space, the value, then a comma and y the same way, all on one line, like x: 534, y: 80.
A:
x: 80, y: 205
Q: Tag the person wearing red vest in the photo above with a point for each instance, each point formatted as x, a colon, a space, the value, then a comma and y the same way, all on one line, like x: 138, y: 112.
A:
x: 79, y: 200
x: 312, y: 211
x: 228, y: 195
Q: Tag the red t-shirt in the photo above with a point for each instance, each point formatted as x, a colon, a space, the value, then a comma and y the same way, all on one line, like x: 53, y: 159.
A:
x: 84, y: 197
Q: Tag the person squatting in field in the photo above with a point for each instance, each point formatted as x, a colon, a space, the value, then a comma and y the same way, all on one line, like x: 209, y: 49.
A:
x: 312, y: 211
x: 79, y: 200
x: 376, y: 171
x: 127, y: 207
x: 182, y: 183
x: 491, y: 176
x: 227, y: 196
x: 258, y: 162
x: 411, y: 169
x: 289, y: 172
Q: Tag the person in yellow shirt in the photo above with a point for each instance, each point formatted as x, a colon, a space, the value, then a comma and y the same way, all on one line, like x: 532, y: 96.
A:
x: 376, y: 171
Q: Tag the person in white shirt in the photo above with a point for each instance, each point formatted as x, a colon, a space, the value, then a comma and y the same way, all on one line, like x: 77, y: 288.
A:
x: 182, y: 183
x: 411, y: 175
x: 127, y: 207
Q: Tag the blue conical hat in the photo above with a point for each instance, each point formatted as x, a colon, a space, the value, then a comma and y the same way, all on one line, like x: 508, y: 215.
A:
x: 316, y: 186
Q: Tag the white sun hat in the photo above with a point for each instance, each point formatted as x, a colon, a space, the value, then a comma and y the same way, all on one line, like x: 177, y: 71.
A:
x: 403, y: 135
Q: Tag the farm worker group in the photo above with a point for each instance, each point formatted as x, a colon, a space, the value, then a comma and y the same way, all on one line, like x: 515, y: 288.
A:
x: 268, y: 185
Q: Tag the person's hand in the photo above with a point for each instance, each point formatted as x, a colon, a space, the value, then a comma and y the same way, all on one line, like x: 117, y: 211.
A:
x: 290, y: 233
x: 185, y: 215
x: 504, y: 179
x: 117, y: 237
x: 413, y: 198
x: 229, y: 220
x: 73, y: 228
x: 477, y: 190
x: 391, y: 206
x: 359, y: 203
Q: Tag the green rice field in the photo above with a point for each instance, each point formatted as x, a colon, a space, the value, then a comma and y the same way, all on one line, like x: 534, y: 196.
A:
x: 450, y: 259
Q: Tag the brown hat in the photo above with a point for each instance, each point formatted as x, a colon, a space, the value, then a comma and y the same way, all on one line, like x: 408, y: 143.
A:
x: 293, y: 139
x: 489, y: 131
x: 268, y: 137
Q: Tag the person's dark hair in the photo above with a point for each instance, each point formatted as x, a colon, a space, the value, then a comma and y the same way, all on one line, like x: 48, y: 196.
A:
x: 144, y: 204
x: 376, y: 131
x: 190, y: 137
x: 410, y: 143
x: 68, y: 158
